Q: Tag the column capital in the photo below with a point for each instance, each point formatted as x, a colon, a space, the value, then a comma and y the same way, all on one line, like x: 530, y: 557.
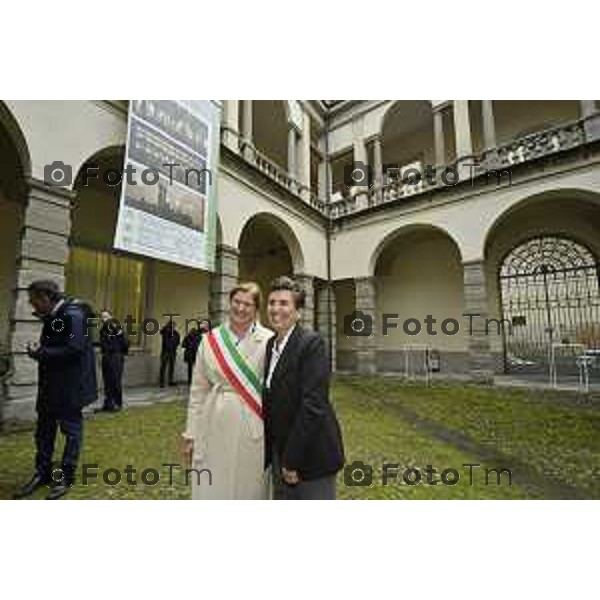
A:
x: 63, y: 196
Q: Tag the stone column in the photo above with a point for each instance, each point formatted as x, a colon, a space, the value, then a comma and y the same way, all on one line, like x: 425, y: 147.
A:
x: 222, y: 282
x: 377, y: 166
x: 365, y: 345
x: 489, y: 125
x: 323, y: 166
x: 43, y: 254
x: 230, y: 127
x: 481, y: 364
x: 308, y: 313
x: 438, y: 136
x: 304, y: 158
x: 247, y: 133
x: 591, y: 119
x: 464, y: 142
x: 292, y: 144
x: 326, y: 320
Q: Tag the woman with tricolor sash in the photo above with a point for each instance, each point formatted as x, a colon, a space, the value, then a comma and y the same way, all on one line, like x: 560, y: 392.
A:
x: 225, y: 431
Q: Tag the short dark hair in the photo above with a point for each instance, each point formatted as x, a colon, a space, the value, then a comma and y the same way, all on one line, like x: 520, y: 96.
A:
x: 287, y: 284
x: 45, y: 286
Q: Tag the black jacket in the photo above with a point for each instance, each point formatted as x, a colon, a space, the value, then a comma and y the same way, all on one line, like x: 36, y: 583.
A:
x: 66, y: 361
x: 190, y: 345
x: 170, y: 339
x: 113, y: 343
x: 300, y: 424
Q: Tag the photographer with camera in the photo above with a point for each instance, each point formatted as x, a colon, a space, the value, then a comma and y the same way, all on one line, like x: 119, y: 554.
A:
x: 66, y: 383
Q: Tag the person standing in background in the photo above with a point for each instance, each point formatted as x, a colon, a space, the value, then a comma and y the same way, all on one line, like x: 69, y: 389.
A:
x: 168, y: 354
x: 114, y: 346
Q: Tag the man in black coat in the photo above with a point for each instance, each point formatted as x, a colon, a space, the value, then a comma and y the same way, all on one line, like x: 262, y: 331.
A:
x: 114, y: 346
x: 168, y: 353
x: 66, y: 383
x: 303, y: 441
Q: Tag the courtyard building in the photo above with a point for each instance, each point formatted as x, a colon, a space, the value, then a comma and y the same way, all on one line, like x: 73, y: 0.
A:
x: 397, y: 217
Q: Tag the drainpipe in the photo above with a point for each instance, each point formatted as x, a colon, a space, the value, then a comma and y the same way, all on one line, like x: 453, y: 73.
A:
x: 328, y: 232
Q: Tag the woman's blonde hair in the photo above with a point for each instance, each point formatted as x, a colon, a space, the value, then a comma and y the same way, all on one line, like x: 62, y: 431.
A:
x: 248, y: 287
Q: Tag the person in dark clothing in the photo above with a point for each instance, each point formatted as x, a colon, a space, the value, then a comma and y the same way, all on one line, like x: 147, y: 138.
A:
x: 114, y: 346
x: 303, y: 440
x: 168, y: 354
x: 66, y: 383
x: 190, y: 345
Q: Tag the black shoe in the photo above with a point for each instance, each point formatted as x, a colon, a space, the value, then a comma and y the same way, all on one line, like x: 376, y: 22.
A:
x: 104, y: 409
x: 36, y: 482
x: 57, y: 491
x: 172, y: 383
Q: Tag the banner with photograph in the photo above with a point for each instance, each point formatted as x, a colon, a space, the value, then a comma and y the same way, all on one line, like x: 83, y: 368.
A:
x: 168, y: 200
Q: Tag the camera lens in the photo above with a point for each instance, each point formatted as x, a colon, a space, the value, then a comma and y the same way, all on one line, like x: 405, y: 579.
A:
x: 357, y: 175
x: 357, y: 475
x: 57, y: 175
x: 357, y: 325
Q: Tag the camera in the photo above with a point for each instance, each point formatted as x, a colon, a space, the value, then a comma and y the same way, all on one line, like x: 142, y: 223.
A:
x: 358, y: 474
x: 358, y: 174
x: 358, y: 324
x: 58, y: 174
x: 59, y: 328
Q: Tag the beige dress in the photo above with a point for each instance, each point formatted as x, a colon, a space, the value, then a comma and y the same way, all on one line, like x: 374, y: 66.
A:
x: 228, y: 436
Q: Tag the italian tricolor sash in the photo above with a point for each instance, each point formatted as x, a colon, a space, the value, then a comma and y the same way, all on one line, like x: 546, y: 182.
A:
x: 236, y: 370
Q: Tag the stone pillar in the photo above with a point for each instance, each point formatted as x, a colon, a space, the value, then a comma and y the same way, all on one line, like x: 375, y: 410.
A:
x: 323, y: 167
x: 365, y: 345
x: 438, y: 136
x: 230, y: 127
x: 247, y: 133
x: 464, y: 142
x: 222, y: 282
x: 43, y: 254
x: 481, y: 364
x: 326, y: 320
x: 306, y: 282
x: 489, y: 125
x: 292, y: 144
x: 377, y: 162
x: 304, y: 158
x: 591, y: 119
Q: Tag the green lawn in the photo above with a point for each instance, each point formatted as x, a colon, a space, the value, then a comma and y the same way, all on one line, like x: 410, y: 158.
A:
x: 551, y: 447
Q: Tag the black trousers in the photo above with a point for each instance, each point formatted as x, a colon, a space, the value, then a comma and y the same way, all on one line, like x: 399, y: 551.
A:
x: 112, y: 374
x: 323, y: 488
x: 190, y: 371
x: 167, y: 360
x: 71, y: 426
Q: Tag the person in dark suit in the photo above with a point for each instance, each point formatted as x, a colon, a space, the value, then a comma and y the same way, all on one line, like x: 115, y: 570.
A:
x: 190, y: 345
x: 114, y: 346
x: 303, y: 441
x: 168, y: 353
x: 66, y: 383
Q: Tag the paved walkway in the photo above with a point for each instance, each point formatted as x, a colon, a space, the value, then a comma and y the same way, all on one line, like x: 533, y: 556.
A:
x: 146, y: 396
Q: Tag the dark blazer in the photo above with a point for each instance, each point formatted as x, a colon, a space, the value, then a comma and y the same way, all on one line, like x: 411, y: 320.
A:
x: 66, y: 361
x: 300, y: 424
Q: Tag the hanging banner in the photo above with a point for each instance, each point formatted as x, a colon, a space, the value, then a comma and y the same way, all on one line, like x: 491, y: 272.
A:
x: 168, y: 201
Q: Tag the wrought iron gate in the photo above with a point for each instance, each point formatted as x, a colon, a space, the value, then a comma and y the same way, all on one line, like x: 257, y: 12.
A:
x: 550, y: 293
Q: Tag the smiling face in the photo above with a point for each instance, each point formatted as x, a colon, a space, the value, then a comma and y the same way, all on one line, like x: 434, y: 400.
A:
x: 242, y: 312
x: 282, y: 310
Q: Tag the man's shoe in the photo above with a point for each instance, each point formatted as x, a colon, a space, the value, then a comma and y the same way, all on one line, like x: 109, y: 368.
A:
x: 37, y: 481
x: 104, y: 409
x: 57, y: 491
